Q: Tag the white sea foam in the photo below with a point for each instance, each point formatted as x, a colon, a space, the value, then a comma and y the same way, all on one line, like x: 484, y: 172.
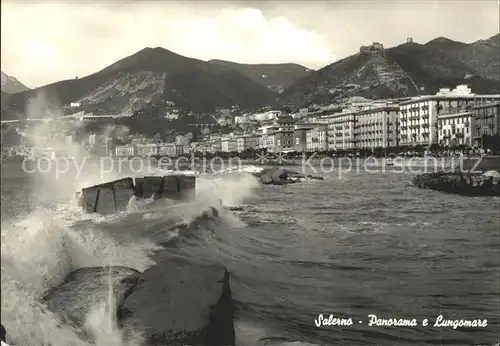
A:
x: 40, y: 248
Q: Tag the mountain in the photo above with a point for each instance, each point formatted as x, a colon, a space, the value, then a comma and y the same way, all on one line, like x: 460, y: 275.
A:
x: 371, y: 75
x: 276, y: 77
x: 153, y: 79
x: 406, y: 70
x: 482, y: 56
x: 11, y: 85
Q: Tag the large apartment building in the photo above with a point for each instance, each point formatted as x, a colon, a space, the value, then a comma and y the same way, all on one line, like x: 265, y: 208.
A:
x: 228, y: 144
x: 419, y: 116
x: 283, y: 135
x: 377, y: 127
x: 486, y: 121
x: 341, y: 130
x: 316, y: 139
x: 455, y: 129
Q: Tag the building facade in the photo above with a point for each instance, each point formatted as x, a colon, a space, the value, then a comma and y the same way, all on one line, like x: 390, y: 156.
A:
x: 125, y: 150
x: 455, y: 129
x: 228, y: 144
x: 341, y: 133
x: 419, y: 115
x: 300, y: 138
x: 166, y: 149
x: 251, y: 142
x: 316, y: 139
x: 486, y: 121
x: 377, y: 127
x: 283, y: 140
x: 145, y: 150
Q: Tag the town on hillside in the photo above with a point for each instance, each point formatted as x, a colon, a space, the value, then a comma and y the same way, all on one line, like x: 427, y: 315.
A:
x: 450, y: 121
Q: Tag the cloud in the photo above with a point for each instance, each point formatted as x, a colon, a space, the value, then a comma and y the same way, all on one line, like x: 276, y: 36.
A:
x: 44, y: 42
x: 47, y: 42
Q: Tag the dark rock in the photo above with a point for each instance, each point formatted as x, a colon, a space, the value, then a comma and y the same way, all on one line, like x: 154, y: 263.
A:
x: 235, y: 208
x: 314, y: 177
x: 281, y: 176
x: 82, y: 289
x: 458, y: 183
x: 277, y: 176
x: 108, y: 197
x: 3, y: 333
x: 181, y: 304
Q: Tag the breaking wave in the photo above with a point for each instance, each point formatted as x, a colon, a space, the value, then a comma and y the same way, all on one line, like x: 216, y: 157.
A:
x: 42, y: 246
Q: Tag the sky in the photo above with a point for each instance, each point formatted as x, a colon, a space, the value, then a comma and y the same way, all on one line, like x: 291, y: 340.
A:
x: 44, y: 42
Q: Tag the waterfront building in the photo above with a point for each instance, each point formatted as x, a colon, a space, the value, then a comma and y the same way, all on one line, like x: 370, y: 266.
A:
x: 486, y: 121
x: 283, y: 135
x: 146, y: 150
x: 418, y: 116
x: 252, y: 142
x: 455, y: 129
x: 300, y: 136
x: 228, y: 144
x: 247, y: 142
x: 316, y: 139
x: 215, y: 144
x: 125, y: 150
x: 377, y: 127
x: 181, y: 150
x: 341, y: 133
x: 167, y: 149
x: 240, y: 144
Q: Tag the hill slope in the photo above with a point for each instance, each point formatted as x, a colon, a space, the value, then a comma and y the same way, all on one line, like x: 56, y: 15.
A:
x: 151, y: 78
x: 276, y: 77
x: 11, y: 85
x: 370, y: 75
x: 405, y: 70
x: 482, y: 56
x: 434, y: 69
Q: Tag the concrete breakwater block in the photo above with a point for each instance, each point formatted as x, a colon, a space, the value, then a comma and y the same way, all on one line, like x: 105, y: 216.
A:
x: 108, y: 197
x: 82, y: 289
x: 114, y: 196
x: 180, y: 303
x: 169, y: 186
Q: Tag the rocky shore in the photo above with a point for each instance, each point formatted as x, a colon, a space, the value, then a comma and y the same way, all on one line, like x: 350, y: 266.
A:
x: 171, y: 303
x: 174, y: 302
x: 458, y: 183
x: 472, y: 177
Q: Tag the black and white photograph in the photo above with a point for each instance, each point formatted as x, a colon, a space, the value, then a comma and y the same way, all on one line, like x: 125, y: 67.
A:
x: 268, y: 173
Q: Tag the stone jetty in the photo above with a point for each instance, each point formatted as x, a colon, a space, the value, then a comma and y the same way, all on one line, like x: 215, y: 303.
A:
x: 458, y: 183
x: 472, y: 177
x: 114, y: 196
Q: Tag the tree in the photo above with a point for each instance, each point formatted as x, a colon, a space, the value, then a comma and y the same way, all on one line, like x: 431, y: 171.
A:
x: 157, y: 138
